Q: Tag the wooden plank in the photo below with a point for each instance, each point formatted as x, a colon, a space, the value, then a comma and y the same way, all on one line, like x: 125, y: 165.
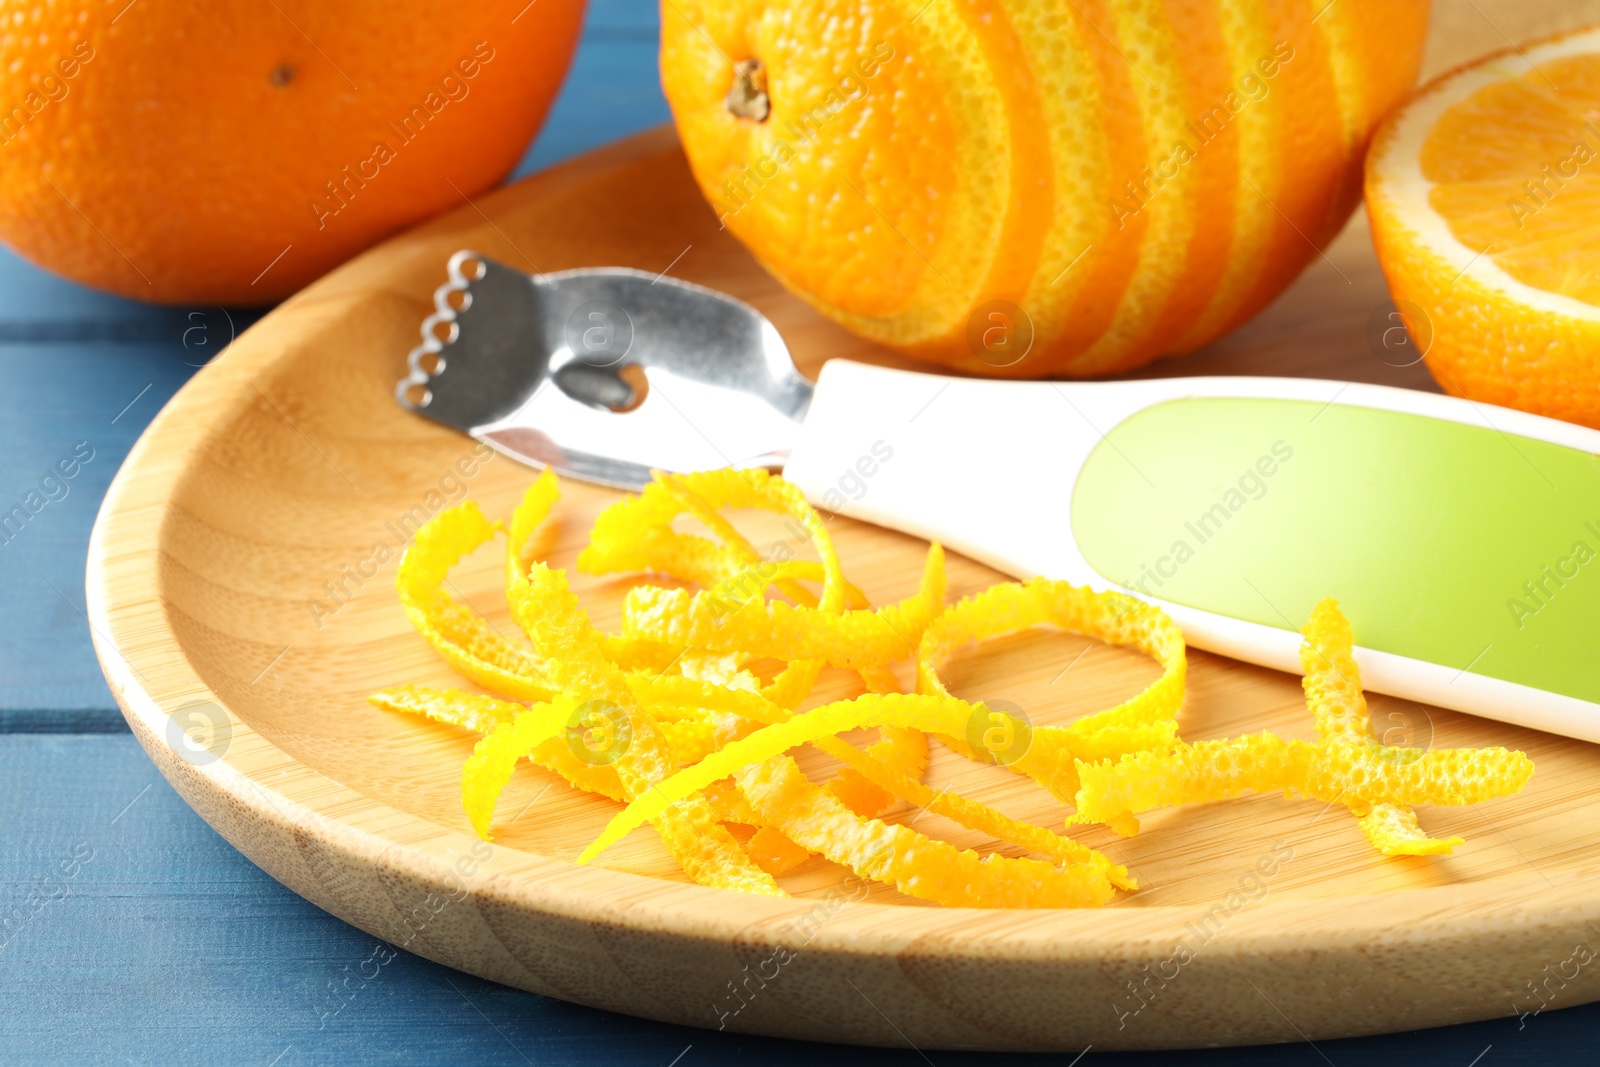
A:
x: 63, y: 403
x: 170, y: 947
x: 617, y: 16
x: 613, y: 90
x: 160, y: 943
x: 38, y: 306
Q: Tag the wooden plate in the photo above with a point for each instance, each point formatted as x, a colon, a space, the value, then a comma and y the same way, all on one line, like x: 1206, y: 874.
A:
x: 241, y: 594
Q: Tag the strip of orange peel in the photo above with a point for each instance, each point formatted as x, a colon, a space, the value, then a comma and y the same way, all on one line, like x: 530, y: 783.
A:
x: 626, y: 534
x: 944, y: 715
x: 871, y: 771
x: 531, y: 513
x: 490, y: 768
x: 1147, y: 720
x: 1333, y: 692
x: 1333, y: 772
x: 470, y: 711
x: 774, y: 852
x: 541, y: 727
x: 885, y: 775
x: 916, y: 865
x: 575, y: 665
x: 735, y: 734
x: 481, y: 714
x: 548, y: 611
x: 1115, y: 618
x: 722, y: 621
x: 460, y: 635
x: 632, y: 534
x: 890, y: 768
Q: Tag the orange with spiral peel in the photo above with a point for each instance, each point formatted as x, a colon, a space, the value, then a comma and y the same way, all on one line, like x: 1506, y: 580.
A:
x: 1031, y: 187
x: 1484, y: 193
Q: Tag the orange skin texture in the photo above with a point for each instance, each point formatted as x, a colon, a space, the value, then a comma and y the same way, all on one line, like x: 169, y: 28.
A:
x: 1487, y: 346
x: 1486, y: 350
x: 1204, y: 79
x: 188, y: 146
x: 932, y: 188
x: 1095, y: 304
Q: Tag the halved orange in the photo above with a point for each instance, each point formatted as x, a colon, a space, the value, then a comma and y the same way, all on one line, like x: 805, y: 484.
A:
x: 1484, y: 194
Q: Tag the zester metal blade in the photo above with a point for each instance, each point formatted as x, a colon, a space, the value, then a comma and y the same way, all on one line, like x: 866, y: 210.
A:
x: 604, y: 373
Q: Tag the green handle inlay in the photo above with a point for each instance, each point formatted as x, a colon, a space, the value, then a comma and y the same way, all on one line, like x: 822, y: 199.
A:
x: 1445, y: 542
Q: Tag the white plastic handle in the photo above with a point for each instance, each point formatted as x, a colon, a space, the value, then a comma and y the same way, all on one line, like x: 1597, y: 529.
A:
x: 984, y: 467
x: 988, y: 468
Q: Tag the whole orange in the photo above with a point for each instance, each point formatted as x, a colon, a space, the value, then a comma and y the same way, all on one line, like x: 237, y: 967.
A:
x: 228, y: 152
x: 1030, y: 187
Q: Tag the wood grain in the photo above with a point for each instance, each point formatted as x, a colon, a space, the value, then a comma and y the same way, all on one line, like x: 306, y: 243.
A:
x: 278, y: 472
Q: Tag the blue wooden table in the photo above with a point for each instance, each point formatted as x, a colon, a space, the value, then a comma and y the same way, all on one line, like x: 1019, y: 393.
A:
x: 131, y: 933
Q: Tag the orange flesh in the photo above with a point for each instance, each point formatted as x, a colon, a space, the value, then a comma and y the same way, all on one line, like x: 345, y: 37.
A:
x: 1516, y: 171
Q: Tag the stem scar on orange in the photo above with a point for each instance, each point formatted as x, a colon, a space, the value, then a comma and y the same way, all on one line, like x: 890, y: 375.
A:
x: 220, y: 152
x: 1032, y: 187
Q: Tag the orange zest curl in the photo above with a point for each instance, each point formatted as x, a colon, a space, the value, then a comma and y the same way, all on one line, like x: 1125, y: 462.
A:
x: 670, y: 719
x: 1333, y: 693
